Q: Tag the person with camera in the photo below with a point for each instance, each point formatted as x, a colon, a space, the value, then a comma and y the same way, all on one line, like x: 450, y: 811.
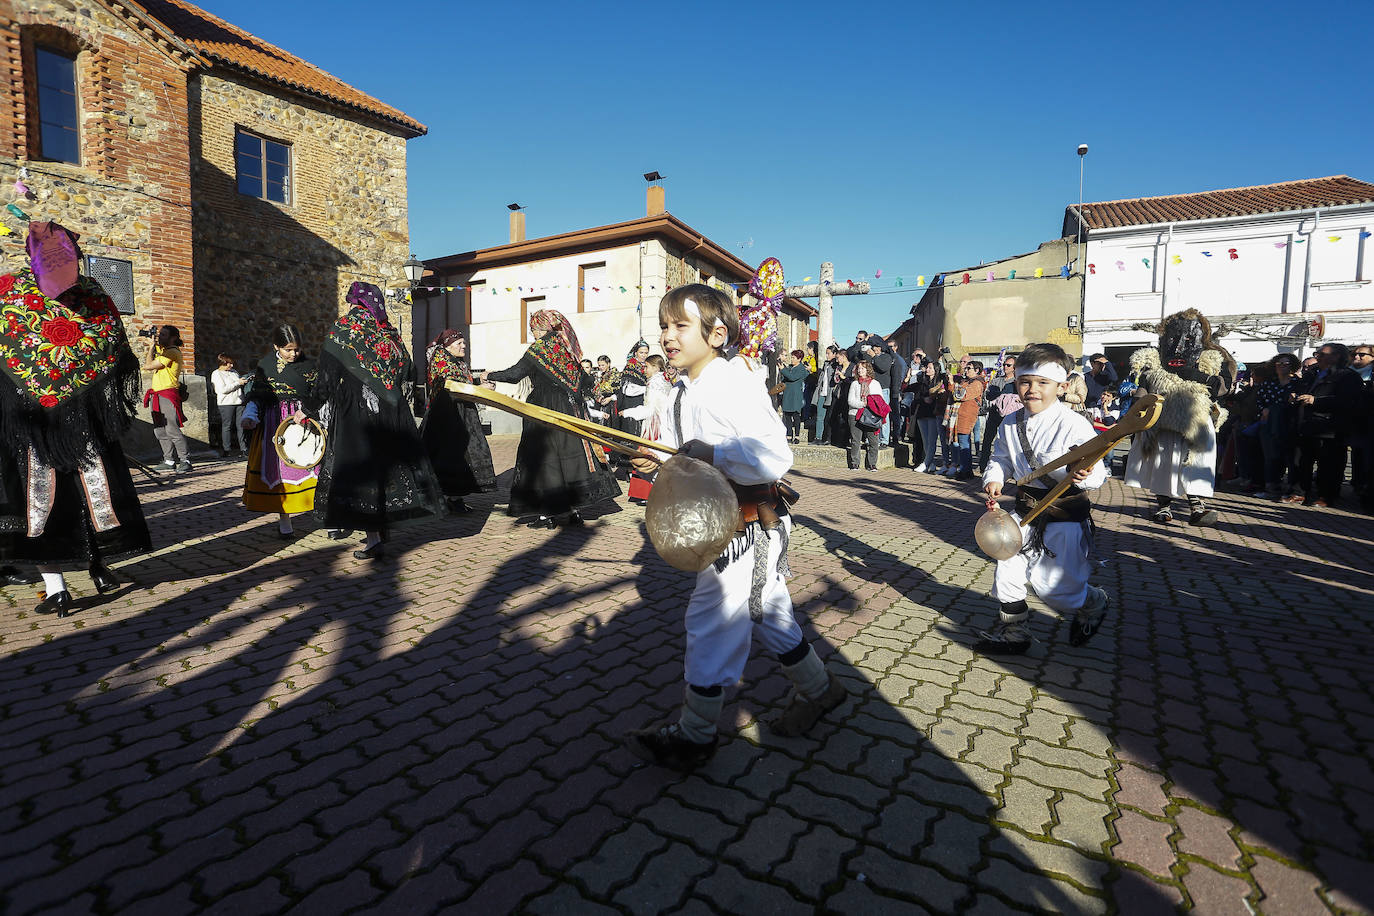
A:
x: 165, y: 395
x: 229, y: 385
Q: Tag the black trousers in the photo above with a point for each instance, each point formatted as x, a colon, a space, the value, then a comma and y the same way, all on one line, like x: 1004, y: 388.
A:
x: 1329, y: 457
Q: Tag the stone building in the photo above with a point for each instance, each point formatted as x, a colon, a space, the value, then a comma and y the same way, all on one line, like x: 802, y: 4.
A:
x: 226, y: 184
x: 1014, y: 308
x: 606, y: 280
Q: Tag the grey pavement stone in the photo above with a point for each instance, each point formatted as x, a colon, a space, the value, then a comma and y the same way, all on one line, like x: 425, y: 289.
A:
x: 442, y: 732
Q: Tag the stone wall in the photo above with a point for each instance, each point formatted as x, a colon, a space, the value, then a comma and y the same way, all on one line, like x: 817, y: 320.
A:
x: 260, y: 263
x: 129, y: 196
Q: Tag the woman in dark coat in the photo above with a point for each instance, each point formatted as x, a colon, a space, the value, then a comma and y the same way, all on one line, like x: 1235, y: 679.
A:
x: 452, y: 431
x: 556, y: 472
x: 375, y: 474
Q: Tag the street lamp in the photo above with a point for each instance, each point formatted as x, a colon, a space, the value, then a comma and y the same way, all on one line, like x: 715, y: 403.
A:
x: 414, y: 269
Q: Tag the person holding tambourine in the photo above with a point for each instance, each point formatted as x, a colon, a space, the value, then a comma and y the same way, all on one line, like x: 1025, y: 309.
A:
x: 281, y: 389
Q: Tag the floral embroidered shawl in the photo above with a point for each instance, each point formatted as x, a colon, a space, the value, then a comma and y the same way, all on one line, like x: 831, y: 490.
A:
x: 368, y: 347
x: 443, y: 365
x: 557, y: 349
x: 281, y: 381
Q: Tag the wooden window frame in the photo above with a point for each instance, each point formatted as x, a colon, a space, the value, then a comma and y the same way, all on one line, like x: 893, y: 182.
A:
x: 74, y: 56
x: 525, y: 317
x: 582, y: 283
x: 288, y: 185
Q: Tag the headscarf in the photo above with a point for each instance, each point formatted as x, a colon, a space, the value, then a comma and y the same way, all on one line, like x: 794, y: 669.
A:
x: 557, y: 349
x: 55, y: 257
x: 636, y: 370
x: 366, y: 346
x: 444, y: 365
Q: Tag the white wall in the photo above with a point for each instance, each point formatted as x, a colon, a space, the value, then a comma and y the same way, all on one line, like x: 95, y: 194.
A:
x: 1264, y: 274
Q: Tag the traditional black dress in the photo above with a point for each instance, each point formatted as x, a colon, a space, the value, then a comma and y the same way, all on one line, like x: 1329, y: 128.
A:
x: 279, y: 389
x: 67, y: 394
x: 555, y: 471
x: 375, y: 474
x: 452, y: 432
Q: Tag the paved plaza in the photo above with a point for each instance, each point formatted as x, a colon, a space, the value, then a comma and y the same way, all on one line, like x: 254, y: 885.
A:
x: 258, y: 726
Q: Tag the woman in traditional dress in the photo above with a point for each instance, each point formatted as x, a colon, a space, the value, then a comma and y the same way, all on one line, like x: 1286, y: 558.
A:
x: 282, y: 387
x: 556, y: 472
x: 650, y: 416
x: 375, y: 474
x: 68, y: 380
x: 452, y: 431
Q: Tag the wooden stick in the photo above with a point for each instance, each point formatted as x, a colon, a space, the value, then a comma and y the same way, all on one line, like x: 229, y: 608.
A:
x: 1144, y: 413
x: 586, y: 429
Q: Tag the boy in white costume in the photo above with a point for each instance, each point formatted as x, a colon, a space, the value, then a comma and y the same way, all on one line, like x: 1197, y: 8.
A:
x: 720, y: 413
x: 1054, y: 559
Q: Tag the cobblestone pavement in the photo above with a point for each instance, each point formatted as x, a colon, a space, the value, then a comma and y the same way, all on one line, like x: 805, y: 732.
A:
x: 258, y: 726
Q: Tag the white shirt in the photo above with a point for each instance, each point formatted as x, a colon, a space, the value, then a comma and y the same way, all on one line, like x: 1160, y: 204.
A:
x: 1051, y: 433
x: 728, y: 407
x: 228, y: 390
x: 859, y: 393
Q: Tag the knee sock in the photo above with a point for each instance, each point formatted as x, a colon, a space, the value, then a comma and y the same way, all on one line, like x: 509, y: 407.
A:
x: 53, y: 582
x: 1014, y: 612
x: 808, y: 674
x: 1164, y: 502
x: 700, y: 709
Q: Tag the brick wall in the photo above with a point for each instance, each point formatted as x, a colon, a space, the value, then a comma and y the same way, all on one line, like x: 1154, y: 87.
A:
x: 262, y: 263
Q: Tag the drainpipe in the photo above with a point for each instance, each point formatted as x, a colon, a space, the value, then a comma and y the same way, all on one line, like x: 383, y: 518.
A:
x: 1164, y: 276
x: 1307, y: 265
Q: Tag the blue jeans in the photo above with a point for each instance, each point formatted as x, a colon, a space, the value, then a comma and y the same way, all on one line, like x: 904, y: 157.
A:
x: 884, y: 434
x: 964, y: 451
x: 930, y: 439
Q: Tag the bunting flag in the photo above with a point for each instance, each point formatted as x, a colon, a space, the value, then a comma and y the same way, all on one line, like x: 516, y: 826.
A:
x: 1064, y: 272
x: 1039, y: 272
x: 1232, y: 253
x: 1092, y: 269
x: 1178, y: 259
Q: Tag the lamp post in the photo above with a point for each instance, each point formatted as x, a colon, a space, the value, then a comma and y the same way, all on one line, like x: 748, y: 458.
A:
x: 414, y: 269
x: 1082, y: 269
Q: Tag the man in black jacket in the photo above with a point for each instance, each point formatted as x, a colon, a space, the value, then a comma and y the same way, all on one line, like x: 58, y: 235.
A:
x: 1326, y: 418
x: 875, y: 351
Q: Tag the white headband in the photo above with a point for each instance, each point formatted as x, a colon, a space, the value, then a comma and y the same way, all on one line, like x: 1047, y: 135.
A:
x: 691, y: 308
x: 1052, y: 371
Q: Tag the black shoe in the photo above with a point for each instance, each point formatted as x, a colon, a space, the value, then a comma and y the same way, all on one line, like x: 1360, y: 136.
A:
x: 458, y: 507
x: 573, y: 521
x: 665, y: 746
x: 286, y: 535
x: 1089, y: 617
x: 13, y: 575
x: 370, y: 553
x: 59, y: 603
x: 1005, y: 638
x: 1204, y: 519
x: 1163, y: 516
x: 104, y: 579
x: 542, y: 521
x: 338, y: 534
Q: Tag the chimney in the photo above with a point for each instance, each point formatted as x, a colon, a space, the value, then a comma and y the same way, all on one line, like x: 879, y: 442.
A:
x: 654, y: 201
x: 517, y: 226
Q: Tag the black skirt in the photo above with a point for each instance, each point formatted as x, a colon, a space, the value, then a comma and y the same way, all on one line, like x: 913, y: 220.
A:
x: 457, y: 447
x: 69, y: 539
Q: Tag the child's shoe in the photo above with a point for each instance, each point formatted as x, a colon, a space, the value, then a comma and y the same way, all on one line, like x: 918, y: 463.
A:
x: 1008, y: 637
x: 1089, y: 617
x: 666, y: 746
x: 802, y: 713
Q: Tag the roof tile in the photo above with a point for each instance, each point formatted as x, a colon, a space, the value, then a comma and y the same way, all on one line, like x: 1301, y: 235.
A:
x: 1334, y: 191
x: 227, y: 44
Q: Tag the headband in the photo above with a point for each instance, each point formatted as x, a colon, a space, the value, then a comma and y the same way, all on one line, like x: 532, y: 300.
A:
x: 1052, y: 371
x: 691, y: 308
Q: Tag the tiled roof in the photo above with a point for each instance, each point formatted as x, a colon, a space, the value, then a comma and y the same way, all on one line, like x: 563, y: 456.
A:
x: 1177, y: 208
x: 227, y: 44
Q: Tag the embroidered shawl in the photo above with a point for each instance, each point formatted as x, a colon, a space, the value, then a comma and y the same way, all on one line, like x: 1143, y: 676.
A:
x: 443, y: 365
x: 68, y: 365
x: 276, y: 380
x: 369, y: 349
x: 557, y: 349
x: 636, y: 371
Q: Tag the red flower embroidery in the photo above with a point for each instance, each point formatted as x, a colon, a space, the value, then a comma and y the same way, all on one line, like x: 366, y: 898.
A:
x: 382, y: 349
x: 34, y: 302
x: 54, y: 374
x: 48, y: 400
x: 6, y: 283
x: 12, y: 362
x: 60, y: 332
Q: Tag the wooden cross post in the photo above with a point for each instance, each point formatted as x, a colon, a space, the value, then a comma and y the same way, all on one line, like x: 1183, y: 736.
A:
x: 825, y: 329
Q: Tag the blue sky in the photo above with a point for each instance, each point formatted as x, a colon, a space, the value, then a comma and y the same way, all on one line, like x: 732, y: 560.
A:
x: 910, y: 138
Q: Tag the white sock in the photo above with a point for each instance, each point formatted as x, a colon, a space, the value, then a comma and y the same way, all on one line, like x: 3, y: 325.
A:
x: 284, y: 523
x: 809, y: 675
x: 372, y: 540
x: 53, y: 582
x: 699, y: 715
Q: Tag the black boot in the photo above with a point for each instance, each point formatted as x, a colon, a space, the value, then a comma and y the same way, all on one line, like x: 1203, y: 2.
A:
x: 104, y: 579
x: 13, y: 575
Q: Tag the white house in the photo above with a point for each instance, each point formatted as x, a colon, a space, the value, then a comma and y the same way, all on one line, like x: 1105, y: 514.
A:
x: 607, y: 281
x: 1283, y: 266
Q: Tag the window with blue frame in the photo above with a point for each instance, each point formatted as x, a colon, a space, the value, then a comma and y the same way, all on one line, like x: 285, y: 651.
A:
x: 59, y: 137
x: 263, y: 167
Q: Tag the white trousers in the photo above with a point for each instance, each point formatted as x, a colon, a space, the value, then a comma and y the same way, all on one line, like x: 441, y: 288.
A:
x: 1061, y: 581
x: 719, y: 627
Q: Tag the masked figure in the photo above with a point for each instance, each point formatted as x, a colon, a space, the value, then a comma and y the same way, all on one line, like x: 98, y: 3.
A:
x: 1177, y: 458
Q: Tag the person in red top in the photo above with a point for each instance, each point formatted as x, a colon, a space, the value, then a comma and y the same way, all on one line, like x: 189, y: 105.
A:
x: 974, y: 386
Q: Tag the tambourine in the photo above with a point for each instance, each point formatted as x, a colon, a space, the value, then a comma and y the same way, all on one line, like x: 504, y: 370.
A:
x: 299, y: 445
